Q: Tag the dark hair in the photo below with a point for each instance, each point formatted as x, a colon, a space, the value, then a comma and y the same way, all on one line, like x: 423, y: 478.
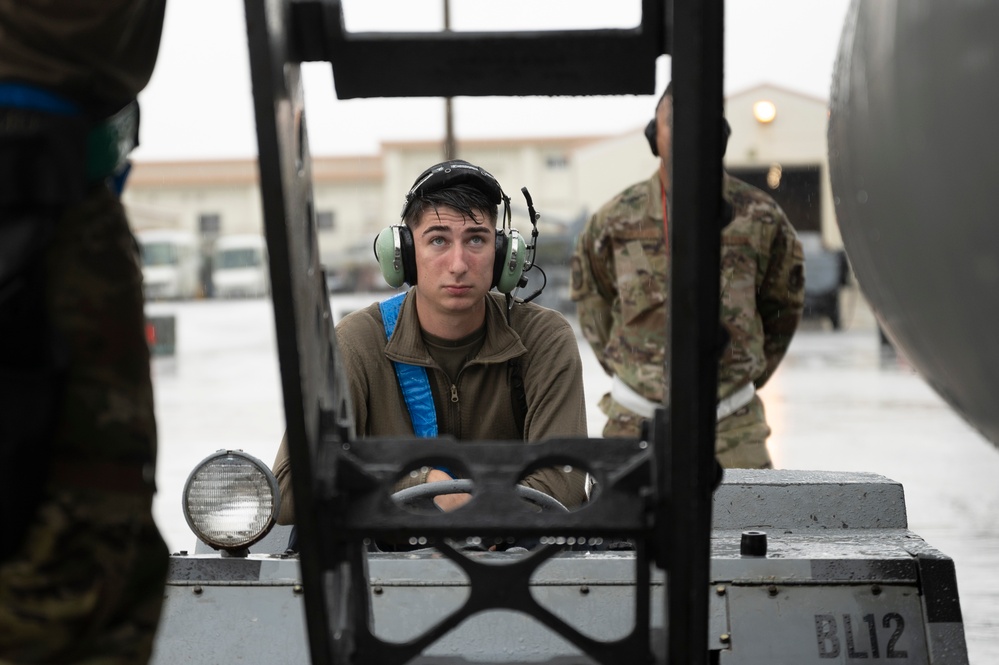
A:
x: 464, y: 198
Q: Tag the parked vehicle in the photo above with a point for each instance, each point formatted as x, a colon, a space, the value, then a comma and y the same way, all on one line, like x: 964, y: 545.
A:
x: 171, y: 264
x: 239, y: 267
x: 825, y: 274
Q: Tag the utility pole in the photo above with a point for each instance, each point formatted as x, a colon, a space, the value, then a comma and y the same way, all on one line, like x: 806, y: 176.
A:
x: 450, y: 151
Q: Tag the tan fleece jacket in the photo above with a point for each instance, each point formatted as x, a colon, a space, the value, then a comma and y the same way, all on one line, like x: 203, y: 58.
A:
x: 479, y: 404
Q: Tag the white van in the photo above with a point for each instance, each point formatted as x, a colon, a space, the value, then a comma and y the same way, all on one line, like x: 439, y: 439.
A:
x: 239, y: 267
x: 171, y: 264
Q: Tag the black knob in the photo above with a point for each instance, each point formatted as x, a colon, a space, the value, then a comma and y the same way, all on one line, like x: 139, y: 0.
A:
x: 754, y: 543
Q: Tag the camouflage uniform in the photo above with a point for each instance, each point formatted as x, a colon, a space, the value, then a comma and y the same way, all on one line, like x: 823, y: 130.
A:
x: 85, y: 584
x: 620, y: 276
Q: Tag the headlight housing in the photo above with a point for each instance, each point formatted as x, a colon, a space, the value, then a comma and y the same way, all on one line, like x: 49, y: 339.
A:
x: 231, y: 500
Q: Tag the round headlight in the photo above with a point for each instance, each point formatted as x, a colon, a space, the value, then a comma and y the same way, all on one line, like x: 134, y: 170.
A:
x: 231, y: 500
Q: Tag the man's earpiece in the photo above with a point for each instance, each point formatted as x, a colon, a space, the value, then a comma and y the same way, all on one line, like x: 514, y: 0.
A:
x: 511, y: 253
x: 651, y: 136
x: 396, y: 255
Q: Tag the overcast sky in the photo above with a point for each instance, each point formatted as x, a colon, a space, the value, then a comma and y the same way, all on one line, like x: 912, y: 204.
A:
x: 198, y: 104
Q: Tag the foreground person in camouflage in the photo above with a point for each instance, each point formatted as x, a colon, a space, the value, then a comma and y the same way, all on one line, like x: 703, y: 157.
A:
x: 82, y: 564
x: 620, y: 282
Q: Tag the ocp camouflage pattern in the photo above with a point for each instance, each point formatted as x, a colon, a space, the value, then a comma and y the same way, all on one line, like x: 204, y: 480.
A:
x: 87, y: 583
x: 620, y: 273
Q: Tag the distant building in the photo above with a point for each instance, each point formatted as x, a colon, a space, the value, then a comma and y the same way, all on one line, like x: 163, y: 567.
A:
x: 354, y: 197
x: 778, y: 143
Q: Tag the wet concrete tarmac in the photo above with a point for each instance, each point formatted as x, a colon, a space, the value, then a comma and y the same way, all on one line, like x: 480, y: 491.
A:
x: 834, y: 404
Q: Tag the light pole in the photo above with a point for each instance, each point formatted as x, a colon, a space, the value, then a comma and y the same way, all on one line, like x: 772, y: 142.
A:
x: 450, y: 152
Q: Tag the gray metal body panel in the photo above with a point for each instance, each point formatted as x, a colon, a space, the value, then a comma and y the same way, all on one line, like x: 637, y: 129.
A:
x: 913, y: 93
x: 843, y: 578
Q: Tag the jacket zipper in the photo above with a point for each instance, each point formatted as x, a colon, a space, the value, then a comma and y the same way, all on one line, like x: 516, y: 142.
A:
x: 455, y: 410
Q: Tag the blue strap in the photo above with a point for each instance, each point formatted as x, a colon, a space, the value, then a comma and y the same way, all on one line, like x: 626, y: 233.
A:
x: 413, y: 379
x: 108, y: 141
x: 33, y: 98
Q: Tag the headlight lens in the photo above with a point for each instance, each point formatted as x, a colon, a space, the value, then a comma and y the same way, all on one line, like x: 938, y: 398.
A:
x: 231, y: 500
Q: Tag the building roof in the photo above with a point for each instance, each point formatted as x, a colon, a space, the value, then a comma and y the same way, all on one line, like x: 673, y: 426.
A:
x: 325, y: 169
x: 763, y: 87
x: 570, y: 142
x: 187, y: 173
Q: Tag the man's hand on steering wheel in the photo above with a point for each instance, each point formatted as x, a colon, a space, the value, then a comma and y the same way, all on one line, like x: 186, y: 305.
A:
x: 447, y: 502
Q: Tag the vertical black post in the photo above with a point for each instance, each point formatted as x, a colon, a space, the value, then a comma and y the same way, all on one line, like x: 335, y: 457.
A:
x: 694, y: 316
x: 301, y: 306
x: 450, y: 150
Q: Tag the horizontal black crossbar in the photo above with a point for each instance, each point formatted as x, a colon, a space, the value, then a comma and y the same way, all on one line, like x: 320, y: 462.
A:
x: 359, y: 501
x: 449, y: 64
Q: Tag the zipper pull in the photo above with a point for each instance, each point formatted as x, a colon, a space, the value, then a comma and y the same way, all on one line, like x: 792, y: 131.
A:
x: 454, y: 393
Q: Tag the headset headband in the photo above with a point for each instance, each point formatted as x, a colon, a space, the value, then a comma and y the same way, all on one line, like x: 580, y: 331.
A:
x: 454, y: 172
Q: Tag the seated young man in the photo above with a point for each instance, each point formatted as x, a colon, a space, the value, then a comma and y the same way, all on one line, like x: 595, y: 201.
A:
x: 473, y: 348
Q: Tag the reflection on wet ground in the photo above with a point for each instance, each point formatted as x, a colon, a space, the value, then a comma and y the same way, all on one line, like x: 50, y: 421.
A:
x: 835, y: 404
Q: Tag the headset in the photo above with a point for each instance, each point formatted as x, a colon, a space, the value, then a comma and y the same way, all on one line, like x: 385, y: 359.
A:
x: 394, y: 248
x: 651, y: 135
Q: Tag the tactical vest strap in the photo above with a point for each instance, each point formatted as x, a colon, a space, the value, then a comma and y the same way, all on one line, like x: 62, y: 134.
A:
x: 415, y: 384
x: 413, y: 380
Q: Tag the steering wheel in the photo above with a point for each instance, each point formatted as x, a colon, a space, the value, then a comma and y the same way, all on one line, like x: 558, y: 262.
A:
x: 421, y: 496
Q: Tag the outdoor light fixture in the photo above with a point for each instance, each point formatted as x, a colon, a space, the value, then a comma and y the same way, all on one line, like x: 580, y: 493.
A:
x: 764, y: 111
x: 774, y: 175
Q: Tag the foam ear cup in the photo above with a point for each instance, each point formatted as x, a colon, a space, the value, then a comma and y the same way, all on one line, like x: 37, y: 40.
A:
x: 396, y: 255
x: 511, y: 252
x: 650, y: 136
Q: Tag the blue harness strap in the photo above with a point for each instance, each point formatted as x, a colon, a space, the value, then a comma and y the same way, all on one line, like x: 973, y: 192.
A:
x: 412, y: 379
x: 33, y: 98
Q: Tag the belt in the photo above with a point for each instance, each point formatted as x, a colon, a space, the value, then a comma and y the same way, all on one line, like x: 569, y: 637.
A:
x: 740, y: 398
x: 626, y: 396
x: 108, y: 141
